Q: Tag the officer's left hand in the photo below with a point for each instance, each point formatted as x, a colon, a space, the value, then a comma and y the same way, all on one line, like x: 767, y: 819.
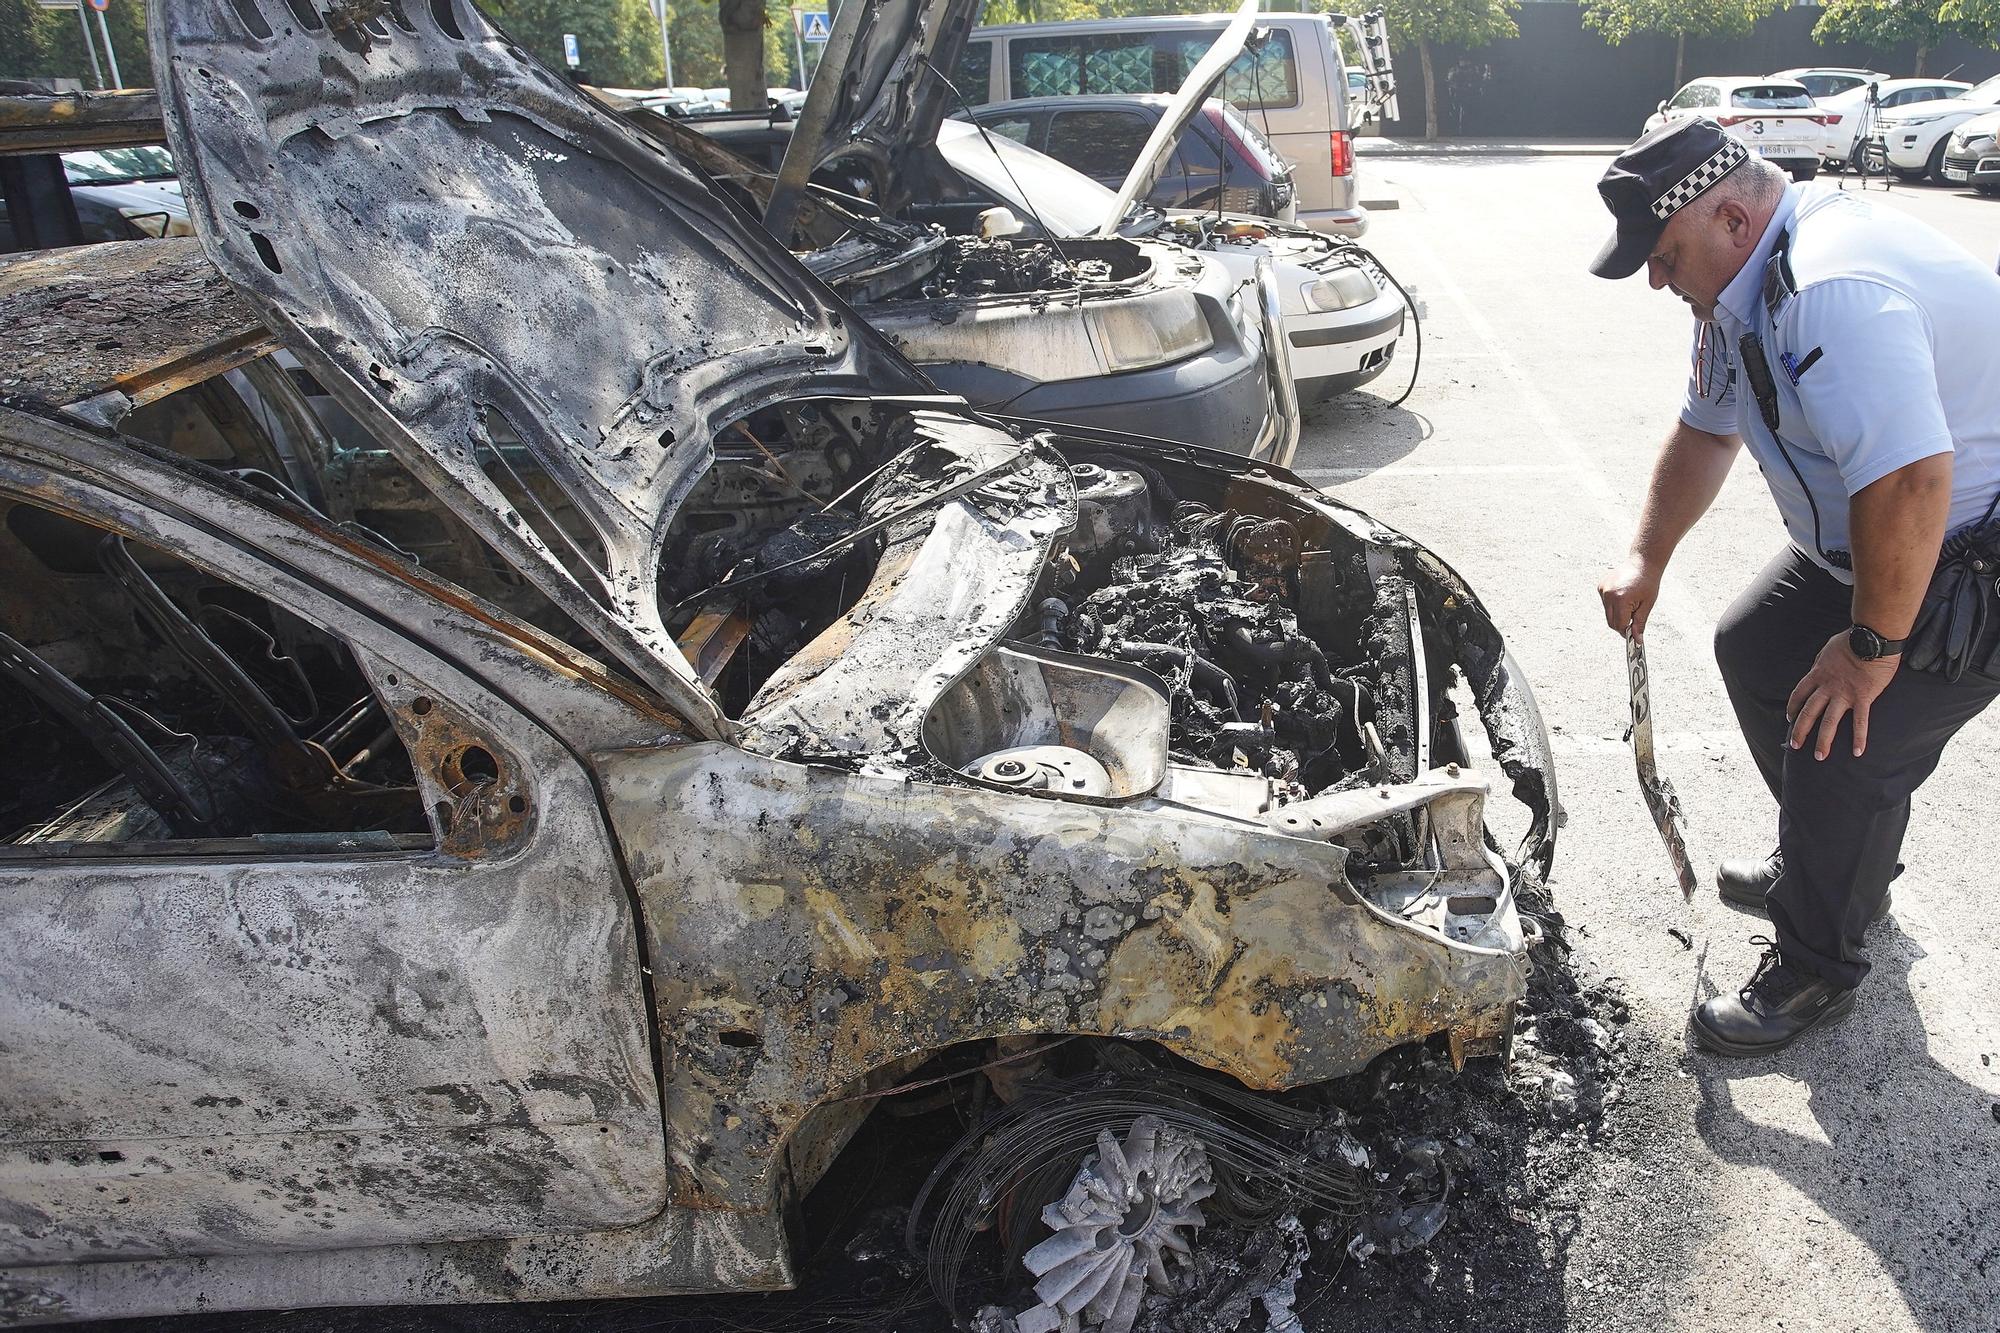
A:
x: 1838, y: 684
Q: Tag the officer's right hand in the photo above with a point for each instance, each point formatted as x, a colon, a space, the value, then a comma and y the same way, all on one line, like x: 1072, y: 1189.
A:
x: 1629, y: 592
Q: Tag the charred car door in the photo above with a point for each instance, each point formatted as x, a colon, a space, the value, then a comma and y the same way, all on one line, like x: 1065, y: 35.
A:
x: 377, y: 986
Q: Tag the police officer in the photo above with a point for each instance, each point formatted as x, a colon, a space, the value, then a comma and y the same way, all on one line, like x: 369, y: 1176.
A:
x: 1857, y: 352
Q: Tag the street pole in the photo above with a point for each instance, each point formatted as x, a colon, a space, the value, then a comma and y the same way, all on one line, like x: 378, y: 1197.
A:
x: 83, y: 22
x: 117, y: 80
x: 666, y: 47
x: 799, y: 45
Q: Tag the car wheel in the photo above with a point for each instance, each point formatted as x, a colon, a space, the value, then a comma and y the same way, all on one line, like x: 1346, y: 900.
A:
x: 1805, y: 173
x: 1935, y: 167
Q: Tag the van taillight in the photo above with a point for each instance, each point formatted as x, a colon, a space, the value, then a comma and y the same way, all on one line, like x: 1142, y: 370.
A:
x: 1343, y: 153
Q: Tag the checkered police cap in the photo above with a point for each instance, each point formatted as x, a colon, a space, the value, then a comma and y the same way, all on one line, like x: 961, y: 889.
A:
x: 1718, y: 165
x: 1654, y: 179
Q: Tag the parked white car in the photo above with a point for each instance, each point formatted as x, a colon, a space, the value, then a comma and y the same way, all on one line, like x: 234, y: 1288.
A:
x: 1339, y: 314
x: 1844, y: 111
x: 1824, y: 81
x: 1775, y: 118
x: 1911, y: 140
x: 1972, y: 154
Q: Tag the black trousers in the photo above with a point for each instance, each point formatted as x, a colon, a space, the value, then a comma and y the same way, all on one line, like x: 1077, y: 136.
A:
x: 1840, y: 819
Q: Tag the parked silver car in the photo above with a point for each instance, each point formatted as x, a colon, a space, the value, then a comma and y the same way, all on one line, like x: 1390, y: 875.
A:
x: 539, y: 918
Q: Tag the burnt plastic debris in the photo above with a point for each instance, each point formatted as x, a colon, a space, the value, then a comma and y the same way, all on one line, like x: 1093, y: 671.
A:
x: 974, y: 267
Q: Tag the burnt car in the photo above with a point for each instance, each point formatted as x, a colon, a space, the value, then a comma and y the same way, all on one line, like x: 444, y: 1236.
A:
x: 533, y: 909
x: 1124, y: 332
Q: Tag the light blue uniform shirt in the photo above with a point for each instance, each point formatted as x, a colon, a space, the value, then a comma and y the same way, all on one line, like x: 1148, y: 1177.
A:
x: 1884, y: 349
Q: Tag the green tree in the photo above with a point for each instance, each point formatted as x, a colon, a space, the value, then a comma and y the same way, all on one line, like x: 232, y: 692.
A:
x: 1681, y: 19
x: 1981, y: 17
x: 37, y: 43
x: 618, y: 40
x: 1883, y: 24
x: 1463, y: 23
x: 746, y: 26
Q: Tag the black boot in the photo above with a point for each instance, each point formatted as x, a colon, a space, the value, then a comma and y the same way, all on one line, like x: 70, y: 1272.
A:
x: 1776, y: 1007
x: 1745, y: 883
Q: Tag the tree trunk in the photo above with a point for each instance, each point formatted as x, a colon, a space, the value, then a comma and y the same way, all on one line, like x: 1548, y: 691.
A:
x: 743, y: 53
x: 1923, y: 54
x: 1430, y: 91
x: 1680, y: 59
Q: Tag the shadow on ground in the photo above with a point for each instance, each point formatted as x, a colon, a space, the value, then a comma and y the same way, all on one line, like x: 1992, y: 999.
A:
x: 1359, y: 433
x: 1901, y: 1138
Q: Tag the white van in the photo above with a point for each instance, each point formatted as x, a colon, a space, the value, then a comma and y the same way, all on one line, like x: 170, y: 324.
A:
x: 1294, y: 89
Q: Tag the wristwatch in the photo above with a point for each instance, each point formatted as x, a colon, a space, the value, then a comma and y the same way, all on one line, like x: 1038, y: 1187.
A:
x: 1870, y: 646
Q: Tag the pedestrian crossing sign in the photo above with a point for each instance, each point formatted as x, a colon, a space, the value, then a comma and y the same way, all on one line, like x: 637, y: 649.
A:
x: 813, y: 25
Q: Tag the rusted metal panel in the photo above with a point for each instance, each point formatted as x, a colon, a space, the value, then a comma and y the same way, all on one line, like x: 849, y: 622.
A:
x: 713, y: 637
x: 878, y: 916
x: 141, y: 318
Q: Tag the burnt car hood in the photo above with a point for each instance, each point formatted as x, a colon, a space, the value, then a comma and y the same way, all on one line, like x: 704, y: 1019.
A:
x: 463, y: 246
x: 879, y: 111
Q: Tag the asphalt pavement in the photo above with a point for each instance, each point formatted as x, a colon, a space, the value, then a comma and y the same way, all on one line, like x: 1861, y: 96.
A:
x: 1854, y: 1181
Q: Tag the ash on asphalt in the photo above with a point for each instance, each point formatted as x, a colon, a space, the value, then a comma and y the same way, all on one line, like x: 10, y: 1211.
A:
x: 1556, y: 1167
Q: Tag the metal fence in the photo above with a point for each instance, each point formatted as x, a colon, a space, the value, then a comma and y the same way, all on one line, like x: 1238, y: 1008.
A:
x: 1559, y: 79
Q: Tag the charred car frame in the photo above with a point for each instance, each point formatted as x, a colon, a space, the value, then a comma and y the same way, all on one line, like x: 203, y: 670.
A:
x: 533, y: 918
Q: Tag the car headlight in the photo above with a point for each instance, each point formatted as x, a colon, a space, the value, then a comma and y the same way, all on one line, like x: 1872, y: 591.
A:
x: 1342, y: 289
x: 1130, y: 338
x: 1977, y: 143
x: 1910, y: 122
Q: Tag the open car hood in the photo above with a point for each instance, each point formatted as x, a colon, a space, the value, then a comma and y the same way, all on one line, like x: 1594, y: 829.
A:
x: 876, y: 112
x: 1174, y: 120
x: 468, y: 251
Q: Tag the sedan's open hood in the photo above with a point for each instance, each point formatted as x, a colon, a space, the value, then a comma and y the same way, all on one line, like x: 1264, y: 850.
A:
x: 1175, y: 119
x: 878, y: 100
x: 469, y: 251
x: 877, y: 110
